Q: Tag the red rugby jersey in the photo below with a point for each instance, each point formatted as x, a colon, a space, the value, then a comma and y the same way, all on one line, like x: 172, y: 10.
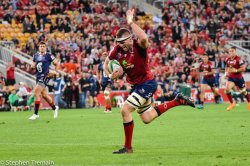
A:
x: 207, y: 67
x: 134, y: 63
x: 234, y: 62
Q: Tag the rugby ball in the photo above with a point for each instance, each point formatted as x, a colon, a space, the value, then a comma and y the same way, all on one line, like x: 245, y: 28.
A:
x: 113, y: 65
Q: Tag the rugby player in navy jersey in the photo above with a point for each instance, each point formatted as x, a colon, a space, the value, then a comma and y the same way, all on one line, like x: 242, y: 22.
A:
x: 42, y: 62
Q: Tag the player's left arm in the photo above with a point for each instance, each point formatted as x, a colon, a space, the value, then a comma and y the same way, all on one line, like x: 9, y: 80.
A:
x: 212, y: 70
x: 33, y: 65
x: 53, y: 71
x: 56, y: 63
x: 140, y: 34
x: 239, y: 70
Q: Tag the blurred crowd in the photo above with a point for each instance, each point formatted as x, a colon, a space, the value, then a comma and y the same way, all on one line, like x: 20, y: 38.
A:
x: 79, y: 31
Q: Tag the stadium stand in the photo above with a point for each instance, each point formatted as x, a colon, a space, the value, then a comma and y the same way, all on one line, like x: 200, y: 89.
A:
x: 80, y: 31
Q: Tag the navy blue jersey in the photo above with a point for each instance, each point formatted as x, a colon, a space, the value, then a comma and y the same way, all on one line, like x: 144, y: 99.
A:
x: 106, y: 81
x: 42, y: 65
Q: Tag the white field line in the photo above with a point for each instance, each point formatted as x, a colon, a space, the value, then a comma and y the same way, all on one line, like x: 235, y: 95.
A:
x: 56, y: 144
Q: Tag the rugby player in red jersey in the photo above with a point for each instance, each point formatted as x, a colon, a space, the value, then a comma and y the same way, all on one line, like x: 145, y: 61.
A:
x: 132, y: 55
x: 208, y: 71
x: 234, y: 68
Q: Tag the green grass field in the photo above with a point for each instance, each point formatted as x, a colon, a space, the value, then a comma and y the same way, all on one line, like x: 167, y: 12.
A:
x: 182, y: 136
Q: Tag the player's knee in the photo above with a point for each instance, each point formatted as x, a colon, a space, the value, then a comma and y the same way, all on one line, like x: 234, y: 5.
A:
x: 146, y: 121
x: 125, y: 113
x: 227, y: 90
x: 106, y: 94
x: 126, y: 110
x: 36, y: 95
x: 43, y: 95
x: 147, y: 113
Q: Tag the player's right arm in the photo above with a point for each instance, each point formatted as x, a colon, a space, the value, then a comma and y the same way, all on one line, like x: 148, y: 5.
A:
x: 113, y: 75
x: 105, y: 66
x: 33, y: 65
x: 241, y: 69
x: 197, y: 67
x: 226, y: 69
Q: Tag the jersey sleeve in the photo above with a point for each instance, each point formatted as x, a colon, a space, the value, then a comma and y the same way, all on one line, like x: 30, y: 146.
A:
x: 212, y: 66
x: 113, y: 52
x: 34, y: 58
x: 200, y: 67
x: 143, y: 51
x: 100, y: 67
x: 226, y: 62
x: 241, y: 62
x: 51, y: 57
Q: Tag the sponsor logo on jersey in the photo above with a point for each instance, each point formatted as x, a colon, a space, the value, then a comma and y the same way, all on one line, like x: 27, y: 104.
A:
x: 52, y: 57
x: 141, y: 91
x: 119, y: 55
x: 127, y: 65
x: 40, y: 57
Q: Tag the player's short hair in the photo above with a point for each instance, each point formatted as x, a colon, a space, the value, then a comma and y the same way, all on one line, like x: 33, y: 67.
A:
x: 120, y: 33
x: 233, y: 47
x: 42, y: 43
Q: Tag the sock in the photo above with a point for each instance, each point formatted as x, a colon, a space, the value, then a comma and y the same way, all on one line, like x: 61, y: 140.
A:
x: 247, y: 97
x: 52, y: 105
x: 217, y: 97
x: 108, y: 108
x: 230, y: 98
x: 128, y: 130
x: 202, y: 102
x: 37, y: 104
x: 160, y: 109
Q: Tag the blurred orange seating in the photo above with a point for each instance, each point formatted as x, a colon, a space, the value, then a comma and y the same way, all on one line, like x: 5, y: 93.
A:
x: 19, y: 25
x: 20, y: 34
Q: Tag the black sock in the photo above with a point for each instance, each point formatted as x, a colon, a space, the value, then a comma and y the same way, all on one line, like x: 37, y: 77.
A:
x: 37, y: 104
x: 52, y: 105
